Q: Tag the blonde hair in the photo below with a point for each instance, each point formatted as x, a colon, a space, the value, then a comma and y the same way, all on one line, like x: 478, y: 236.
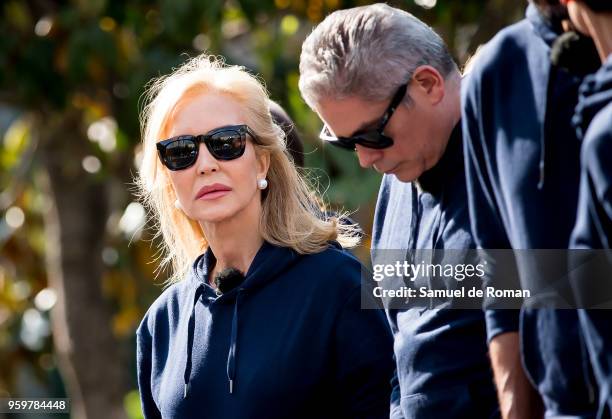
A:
x: 292, y: 214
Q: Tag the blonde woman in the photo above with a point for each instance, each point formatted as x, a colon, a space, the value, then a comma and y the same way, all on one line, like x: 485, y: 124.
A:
x: 263, y: 318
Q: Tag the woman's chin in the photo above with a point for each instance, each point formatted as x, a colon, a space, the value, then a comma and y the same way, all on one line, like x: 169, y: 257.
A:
x: 215, y: 216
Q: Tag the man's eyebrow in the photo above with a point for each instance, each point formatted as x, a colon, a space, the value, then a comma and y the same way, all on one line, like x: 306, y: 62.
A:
x: 371, y: 124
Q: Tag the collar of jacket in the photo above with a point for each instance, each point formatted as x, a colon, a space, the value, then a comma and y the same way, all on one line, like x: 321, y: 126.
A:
x: 449, y: 165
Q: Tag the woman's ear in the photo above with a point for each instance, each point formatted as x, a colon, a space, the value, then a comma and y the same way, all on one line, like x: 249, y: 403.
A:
x: 263, y: 164
x: 429, y: 84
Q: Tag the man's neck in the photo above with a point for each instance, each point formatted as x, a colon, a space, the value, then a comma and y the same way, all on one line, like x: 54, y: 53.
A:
x: 602, y: 34
x: 452, y: 109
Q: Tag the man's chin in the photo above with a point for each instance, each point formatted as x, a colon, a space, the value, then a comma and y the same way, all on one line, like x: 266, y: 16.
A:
x: 402, y: 173
x: 405, y: 176
x: 404, y: 179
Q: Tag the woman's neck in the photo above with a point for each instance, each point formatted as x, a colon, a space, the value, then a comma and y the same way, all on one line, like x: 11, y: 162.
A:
x: 235, y: 241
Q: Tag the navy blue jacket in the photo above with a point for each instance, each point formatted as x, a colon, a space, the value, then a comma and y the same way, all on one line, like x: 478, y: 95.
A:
x: 442, y: 365
x: 593, y: 230
x: 594, y: 111
x: 291, y: 342
x: 522, y: 170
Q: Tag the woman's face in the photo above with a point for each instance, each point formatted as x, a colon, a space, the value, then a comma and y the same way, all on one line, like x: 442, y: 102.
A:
x: 234, y: 182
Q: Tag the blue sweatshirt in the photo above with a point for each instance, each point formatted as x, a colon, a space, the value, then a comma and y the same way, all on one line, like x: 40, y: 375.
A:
x: 290, y: 342
x: 442, y: 365
x: 593, y: 120
x: 522, y: 175
x: 593, y: 230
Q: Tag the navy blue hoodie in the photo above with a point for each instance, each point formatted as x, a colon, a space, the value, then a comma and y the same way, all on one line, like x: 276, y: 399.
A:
x: 522, y: 171
x: 290, y: 342
x: 443, y: 369
x: 594, y: 111
x: 593, y: 230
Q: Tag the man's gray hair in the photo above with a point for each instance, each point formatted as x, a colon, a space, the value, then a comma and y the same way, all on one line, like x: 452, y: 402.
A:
x: 368, y: 52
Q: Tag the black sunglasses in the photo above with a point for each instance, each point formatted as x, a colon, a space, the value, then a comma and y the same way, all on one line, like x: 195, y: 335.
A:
x: 224, y: 143
x: 373, y: 138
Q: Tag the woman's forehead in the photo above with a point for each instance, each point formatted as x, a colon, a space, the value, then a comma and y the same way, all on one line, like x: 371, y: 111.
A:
x: 204, y: 112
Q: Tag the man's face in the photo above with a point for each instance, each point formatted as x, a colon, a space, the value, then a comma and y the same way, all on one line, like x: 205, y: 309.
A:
x: 552, y: 9
x: 577, y: 13
x: 412, y: 128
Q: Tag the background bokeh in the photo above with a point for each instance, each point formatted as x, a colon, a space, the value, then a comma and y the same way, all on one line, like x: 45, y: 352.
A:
x: 77, y: 259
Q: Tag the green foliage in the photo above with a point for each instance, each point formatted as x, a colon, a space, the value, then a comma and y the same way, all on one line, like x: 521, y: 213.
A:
x: 132, y: 405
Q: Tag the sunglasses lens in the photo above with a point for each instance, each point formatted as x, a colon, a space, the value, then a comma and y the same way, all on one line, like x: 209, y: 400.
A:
x: 370, y: 139
x: 223, y: 144
x: 343, y: 143
x: 227, y: 145
x: 181, y: 153
x: 374, y: 140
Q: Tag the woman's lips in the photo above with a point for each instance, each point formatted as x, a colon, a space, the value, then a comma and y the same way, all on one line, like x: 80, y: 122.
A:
x: 214, y: 191
x: 214, y: 195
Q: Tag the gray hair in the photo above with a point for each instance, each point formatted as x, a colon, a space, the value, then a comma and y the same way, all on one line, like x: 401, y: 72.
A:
x: 368, y: 52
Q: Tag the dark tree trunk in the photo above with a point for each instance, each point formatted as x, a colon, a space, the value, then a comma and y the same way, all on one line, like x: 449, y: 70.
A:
x: 90, y: 358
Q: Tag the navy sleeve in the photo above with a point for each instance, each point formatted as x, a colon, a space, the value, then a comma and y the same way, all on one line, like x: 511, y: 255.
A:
x: 396, y: 397
x: 143, y: 365
x: 485, y: 218
x: 364, y: 356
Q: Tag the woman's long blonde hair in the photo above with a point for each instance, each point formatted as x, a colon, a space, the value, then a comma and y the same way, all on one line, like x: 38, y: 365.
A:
x: 291, y: 210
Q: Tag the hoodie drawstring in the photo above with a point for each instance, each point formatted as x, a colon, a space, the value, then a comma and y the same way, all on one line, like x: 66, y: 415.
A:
x: 231, y: 356
x: 552, y: 76
x: 190, y: 332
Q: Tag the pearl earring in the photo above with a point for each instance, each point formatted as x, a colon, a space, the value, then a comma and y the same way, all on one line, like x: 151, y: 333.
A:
x: 262, y: 184
x: 177, y: 205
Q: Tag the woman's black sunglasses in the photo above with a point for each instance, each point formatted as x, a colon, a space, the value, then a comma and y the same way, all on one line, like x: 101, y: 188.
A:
x: 224, y: 143
x: 373, y: 138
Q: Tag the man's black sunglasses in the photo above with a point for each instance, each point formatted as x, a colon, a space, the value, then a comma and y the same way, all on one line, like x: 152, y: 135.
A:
x: 224, y: 143
x: 373, y: 138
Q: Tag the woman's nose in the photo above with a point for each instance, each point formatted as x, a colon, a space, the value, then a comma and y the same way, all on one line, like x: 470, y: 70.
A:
x: 206, y: 162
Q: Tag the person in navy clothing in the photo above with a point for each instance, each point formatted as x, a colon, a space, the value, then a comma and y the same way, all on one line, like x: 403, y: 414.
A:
x: 262, y: 318
x: 522, y: 170
x: 593, y: 230
x: 386, y: 86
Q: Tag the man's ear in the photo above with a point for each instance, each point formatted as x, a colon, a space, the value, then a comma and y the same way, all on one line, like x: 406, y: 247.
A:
x: 429, y: 84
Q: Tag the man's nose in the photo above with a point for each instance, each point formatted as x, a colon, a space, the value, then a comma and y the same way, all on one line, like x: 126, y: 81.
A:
x: 367, y: 156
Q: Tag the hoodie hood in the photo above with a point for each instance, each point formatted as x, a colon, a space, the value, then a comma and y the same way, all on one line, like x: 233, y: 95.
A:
x: 595, y: 93
x: 269, y: 263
